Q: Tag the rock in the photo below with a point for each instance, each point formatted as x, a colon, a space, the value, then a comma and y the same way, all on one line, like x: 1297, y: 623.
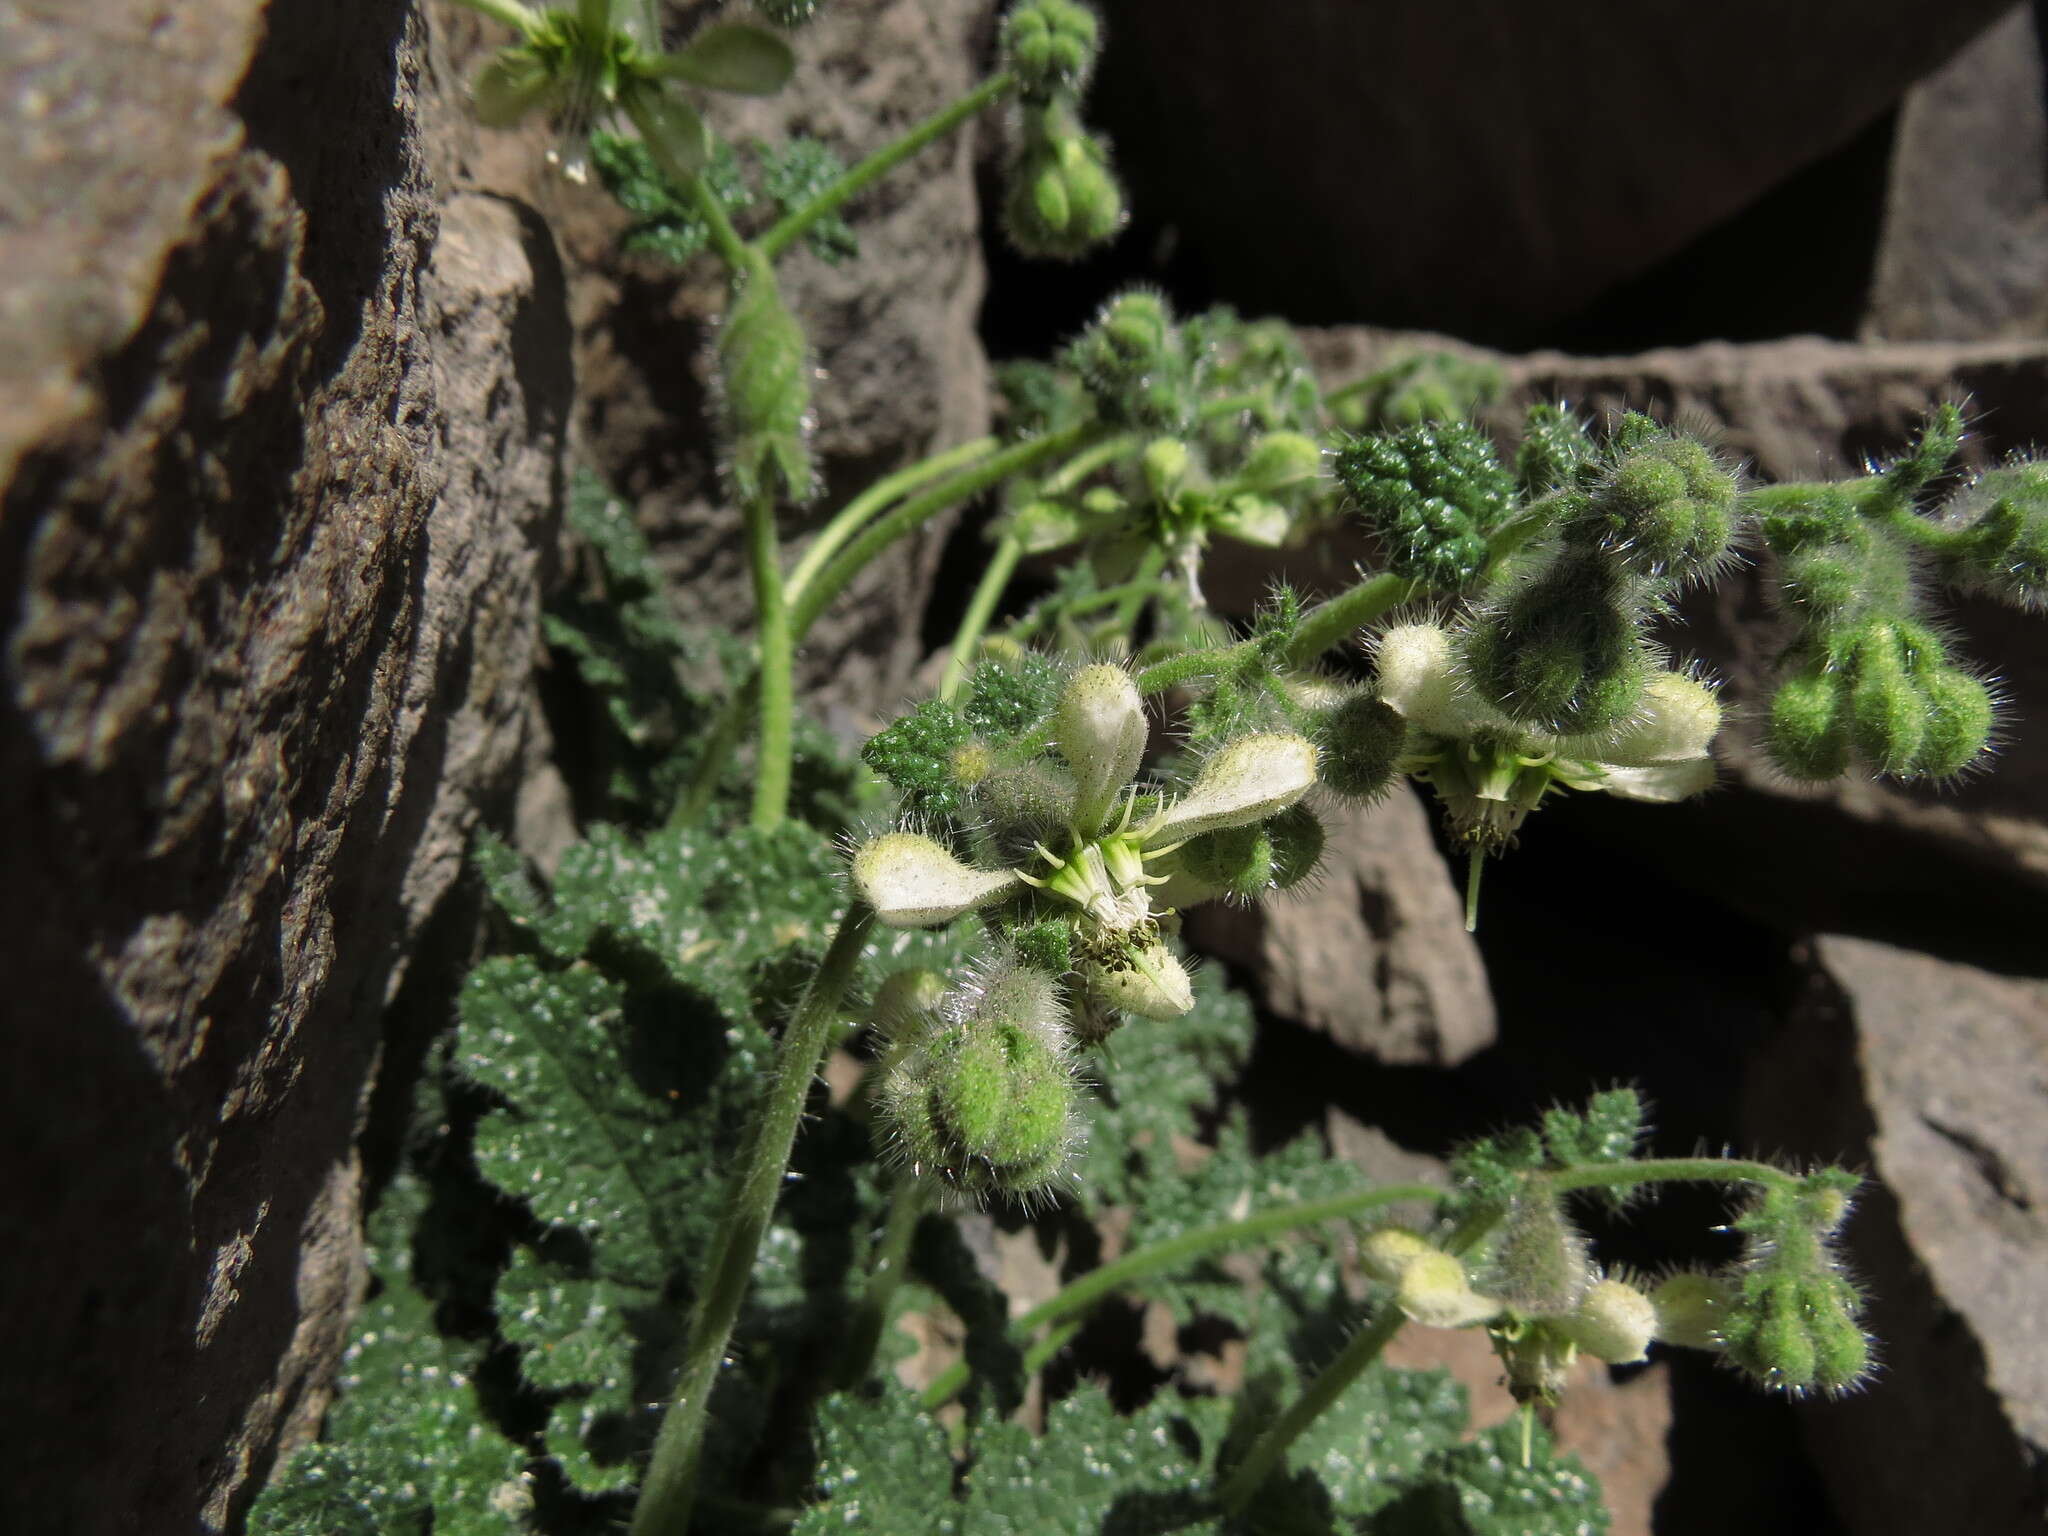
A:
x: 1964, y: 251
x: 900, y: 371
x: 279, y: 471
x: 1933, y: 1076
x: 1491, y: 170
x: 1373, y: 951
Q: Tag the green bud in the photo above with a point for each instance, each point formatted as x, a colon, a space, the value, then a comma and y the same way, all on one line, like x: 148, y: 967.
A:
x: 1100, y: 729
x: 764, y: 372
x: 1888, y: 715
x: 986, y: 1100
x: 1385, y: 1253
x: 1999, y: 528
x: 1565, y: 653
x: 1165, y: 465
x: 1961, y: 716
x: 1434, y: 1290
x: 1555, y: 444
x: 1692, y: 1309
x: 1050, y: 46
x: 1808, y: 735
x: 1297, y: 837
x: 1062, y: 199
x: 1361, y: 738
x: 1665, y: 507
x: 1792, y: 1323
x: 905, y: 1003
x: 1540, y: 1263
x: 1021, y: 806
x: 1236, y: 861
x: 1134, y: 365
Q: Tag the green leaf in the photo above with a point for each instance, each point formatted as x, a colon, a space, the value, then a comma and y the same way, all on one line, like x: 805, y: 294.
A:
x: 732, y: 56
x: 1095, y: 1470
x: 408, y: 1447
x: 1482, y: 1489
x: 796, y: 172
x: 882, y: 1469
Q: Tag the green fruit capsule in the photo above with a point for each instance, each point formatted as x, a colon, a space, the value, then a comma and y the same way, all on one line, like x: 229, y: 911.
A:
x: 765, y: 388
x: 1361, y: 737
x: 1808, y: 735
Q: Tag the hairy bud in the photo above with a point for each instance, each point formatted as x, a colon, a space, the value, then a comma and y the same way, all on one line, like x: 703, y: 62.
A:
x: 1133, y: 363
x: 1360, y: 738
x: 1613, y: 1322
x: 1540, y: 1263
x: 1808, y: 734
x: 1792, y: 1322
x: 1062, y: 198
x: 1099, y: 727
x: 1692, y: 1309
x: 764, y: 372
x: 1665, y: 507
x: 1050, y: 46
x: 1555, y: 444
x: 1435, y: 1291
x: 1564, y: 653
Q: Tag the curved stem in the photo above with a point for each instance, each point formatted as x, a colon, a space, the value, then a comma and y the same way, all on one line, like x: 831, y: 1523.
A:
x: 829, y: 582
x: 670, y: 1488
x: 793, y: 225
x: 854, y: 516
x: 775, y: 642
x: 678, y: 165
x: 1330, y: 1384
x: 1002, y: 565
x: 510, y: 12
x: 1155, y: 1258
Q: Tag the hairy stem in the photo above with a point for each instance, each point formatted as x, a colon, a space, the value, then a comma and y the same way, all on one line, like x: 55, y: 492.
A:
x: 1002, y: 565
x: 921, y: 509
x: 775, y: 642
x: 1157, y: 1258
x: 857, y: 513
x: 793, y: 225
x: 1264, y: 1458
x: 666, y: 1496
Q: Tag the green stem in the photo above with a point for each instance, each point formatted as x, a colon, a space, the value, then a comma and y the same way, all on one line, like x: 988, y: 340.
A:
x: 1260, y: 1462
x: 981, y: 607
x: 792, y: 226
x: 1140, y: 587
x: 670, y: 1488
x: 887, y: 1266
x: 1666, y: 1170
x: 855, y: 515
x: 1328, y: 623
x: 696, y: 799
x: 829, y: 582
x: 679, y: 167
x: 777, y: 647
x: 1040, y: 1354
x: 1155, y: 1258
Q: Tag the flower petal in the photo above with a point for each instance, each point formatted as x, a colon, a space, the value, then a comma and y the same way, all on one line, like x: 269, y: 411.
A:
x: 913, y: 882
x: 1250, y: 779
x: 1661, y: 783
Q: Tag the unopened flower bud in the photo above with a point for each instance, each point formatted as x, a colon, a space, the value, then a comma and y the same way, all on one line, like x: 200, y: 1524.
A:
x: 1050, y: 46
x: 1099, y: 727
x: 1434, y: 1290
x: 765, y: 391
x: 1692, y: 1308
x: 1361, y: 737
x: 1540, y: 1263
x: 1808, y: 734
x: 913, y: 882
x: 1385, y: 1253
x: 1613, y: 1322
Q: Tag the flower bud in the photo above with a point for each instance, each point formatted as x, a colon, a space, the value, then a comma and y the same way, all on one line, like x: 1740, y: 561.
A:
x: 1164, y: 465
x: 1141, y: 978
x: 2002, y: 526
x: 1887, y: 713
x: 1613, y: 1322
x: 1677, y: 718
x: 1133, y: 363
x: 1360, y: 738
x: 1565, y: 653
x: 1297, y: 838
x: 764, y: 372
x: 1387, y: 1252
x: 1247, y: 780
x: 1235, y: 861
x: 1960, y: 718
x: 1419, y: 677
x: 1664, y: 507
x: 1050, y: 46
x: 1062, y: 199
x: 987, y: 1100
x: 1808, y: 735
x: 1554, y: 444
x: 1691, y: 1309
x: 1540, y: 1263
x: 1099, y: 727
x: 913, y: 882
x: 1433, y: 1290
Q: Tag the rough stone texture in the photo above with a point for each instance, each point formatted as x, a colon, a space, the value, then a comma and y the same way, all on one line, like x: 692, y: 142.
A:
x: 1373, y: 951
x: 1487, y: 168
x: 1801, y: 409
x: 275, y: 474
x: 1934, y: 1077
x: 901, y: 372
x: 1964, y: 250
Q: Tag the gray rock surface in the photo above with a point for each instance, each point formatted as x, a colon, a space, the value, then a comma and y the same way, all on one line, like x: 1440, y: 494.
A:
x: 1372, y: 951
x: 1934, y: 1077
x: 1964, y: 251
x: 279, y: 462
x: 1492, y: 167
x: 900, y: 370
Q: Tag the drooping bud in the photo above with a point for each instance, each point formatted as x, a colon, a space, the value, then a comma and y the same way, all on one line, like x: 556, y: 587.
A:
x: 1960, y: 719
x: 1234, y: 861
x: 1247, y: 780
x: 1613, y: 1322
x: 1062, y: 198
x: 986, y: 1099
x: 1808, y: 734
x: 1792, y: 1321
x: 1565, y: 653
x: 1297, y: 838
x: 764, y: 372
x: 1099, y: 727
x: 1887, y: 713
x: 913, y: 882
x: 2000, y: 528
